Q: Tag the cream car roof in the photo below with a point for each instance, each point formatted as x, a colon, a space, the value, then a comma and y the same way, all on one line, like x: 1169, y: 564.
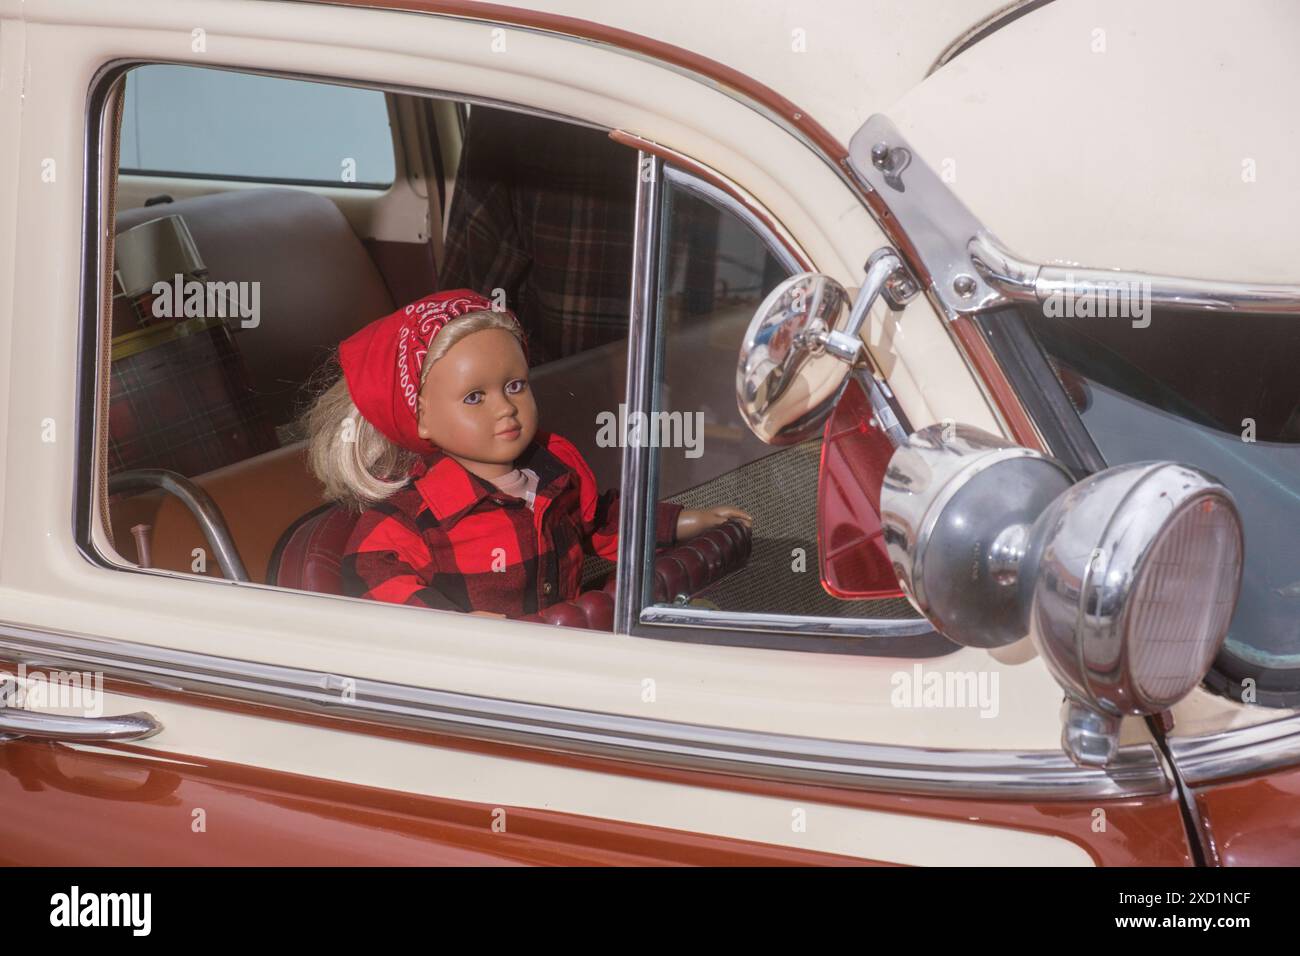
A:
x: 861, y: 55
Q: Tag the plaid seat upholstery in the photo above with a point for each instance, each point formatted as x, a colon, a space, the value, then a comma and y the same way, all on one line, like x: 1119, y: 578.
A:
x: 185, y: 405
x: 545, y: 211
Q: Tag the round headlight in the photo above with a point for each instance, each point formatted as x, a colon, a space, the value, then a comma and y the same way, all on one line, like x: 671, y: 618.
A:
x: 1139, y: 568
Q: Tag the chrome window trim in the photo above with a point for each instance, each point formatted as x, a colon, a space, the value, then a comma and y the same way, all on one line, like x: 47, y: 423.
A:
x: 967, y: 774
x: 1238, y: 752
x: 673, y: 616
x: 642, y: 364
x: 725, y: 201
x: 629, y: 588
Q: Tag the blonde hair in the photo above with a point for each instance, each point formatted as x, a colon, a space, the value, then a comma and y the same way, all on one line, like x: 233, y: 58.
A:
x: 358, y: 465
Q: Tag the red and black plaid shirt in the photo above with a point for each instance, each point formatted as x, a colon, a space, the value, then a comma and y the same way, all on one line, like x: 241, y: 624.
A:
x: 455, y: 541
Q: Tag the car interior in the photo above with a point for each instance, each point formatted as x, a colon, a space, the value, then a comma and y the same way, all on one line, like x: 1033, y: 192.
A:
x: 338, y: 234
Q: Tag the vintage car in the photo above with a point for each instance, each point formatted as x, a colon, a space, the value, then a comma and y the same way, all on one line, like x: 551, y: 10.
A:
x: 1023, y: 581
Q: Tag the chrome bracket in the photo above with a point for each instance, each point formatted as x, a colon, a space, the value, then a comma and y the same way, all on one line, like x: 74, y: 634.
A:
x: 931, y: 224
x: 966, y: 270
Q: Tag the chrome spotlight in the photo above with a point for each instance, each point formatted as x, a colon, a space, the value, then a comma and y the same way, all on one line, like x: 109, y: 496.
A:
x: 955, y: 505
x: 1126, y: 580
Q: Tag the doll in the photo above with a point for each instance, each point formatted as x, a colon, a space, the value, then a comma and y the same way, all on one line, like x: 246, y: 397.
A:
x: 431, y: 432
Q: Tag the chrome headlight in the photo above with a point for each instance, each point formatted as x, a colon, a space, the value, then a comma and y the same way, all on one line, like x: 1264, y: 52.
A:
x: 1138, y: 571
x: 1126, y: 580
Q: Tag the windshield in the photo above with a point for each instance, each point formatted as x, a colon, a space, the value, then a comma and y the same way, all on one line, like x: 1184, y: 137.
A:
x: 1222, y: 392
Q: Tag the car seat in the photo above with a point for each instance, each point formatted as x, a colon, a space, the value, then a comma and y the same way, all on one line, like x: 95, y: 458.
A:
x: 309, y: 557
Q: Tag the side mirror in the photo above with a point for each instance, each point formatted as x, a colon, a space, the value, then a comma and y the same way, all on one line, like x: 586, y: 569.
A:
x: 803, y: 344
x: 1126, y: 580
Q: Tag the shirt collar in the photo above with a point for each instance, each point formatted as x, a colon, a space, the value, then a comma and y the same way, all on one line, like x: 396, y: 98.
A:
x: 450, y: 491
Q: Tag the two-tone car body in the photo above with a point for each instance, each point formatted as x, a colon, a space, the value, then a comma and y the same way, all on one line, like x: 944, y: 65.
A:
x: 995, y: 164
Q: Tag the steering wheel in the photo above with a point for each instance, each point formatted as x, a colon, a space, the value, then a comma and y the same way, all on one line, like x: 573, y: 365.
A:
x: 200, y: 504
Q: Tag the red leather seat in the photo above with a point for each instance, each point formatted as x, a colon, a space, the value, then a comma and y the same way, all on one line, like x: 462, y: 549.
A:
x: 309, y: 557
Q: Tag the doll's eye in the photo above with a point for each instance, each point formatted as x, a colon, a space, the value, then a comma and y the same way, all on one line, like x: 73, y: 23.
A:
x: 474, y: 398
x: 516, y: 386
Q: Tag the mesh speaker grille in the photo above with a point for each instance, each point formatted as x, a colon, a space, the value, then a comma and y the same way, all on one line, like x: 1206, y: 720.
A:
x: 780, y: 491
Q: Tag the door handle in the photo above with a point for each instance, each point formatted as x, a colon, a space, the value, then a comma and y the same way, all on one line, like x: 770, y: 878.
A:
x: 16, y: 722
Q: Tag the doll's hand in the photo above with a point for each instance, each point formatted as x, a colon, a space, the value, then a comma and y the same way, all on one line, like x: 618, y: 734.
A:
x: 693, y: 521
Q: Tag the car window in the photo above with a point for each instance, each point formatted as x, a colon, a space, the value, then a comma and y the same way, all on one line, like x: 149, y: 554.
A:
x: 228, y: 307
x: 221, y: 124
x: 1219, y: 392
x: 715, y: 269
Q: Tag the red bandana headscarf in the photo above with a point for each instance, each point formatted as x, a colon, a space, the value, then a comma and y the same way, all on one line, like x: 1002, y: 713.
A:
x: 382, y: 362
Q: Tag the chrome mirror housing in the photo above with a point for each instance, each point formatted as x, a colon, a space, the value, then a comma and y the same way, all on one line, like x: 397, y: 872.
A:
x: 802, y: 345
x: 793, y: 362
x: 1126, y: 580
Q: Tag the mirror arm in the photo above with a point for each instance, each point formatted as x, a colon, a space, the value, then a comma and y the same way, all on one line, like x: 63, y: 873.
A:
x: 887, y: 277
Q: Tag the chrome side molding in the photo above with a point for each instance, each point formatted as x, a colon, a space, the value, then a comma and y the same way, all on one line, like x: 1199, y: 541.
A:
x: 966, y: 774
x: 1238, y: 751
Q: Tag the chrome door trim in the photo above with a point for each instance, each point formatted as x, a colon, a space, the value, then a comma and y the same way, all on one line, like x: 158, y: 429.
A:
x: 685, y: 616
x: 633, y: 514
x: 987, y: 774
x: 1242, y: 751
x: 966, y: 270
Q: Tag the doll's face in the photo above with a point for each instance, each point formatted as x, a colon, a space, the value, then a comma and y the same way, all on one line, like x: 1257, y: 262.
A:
x: 476, y: 404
